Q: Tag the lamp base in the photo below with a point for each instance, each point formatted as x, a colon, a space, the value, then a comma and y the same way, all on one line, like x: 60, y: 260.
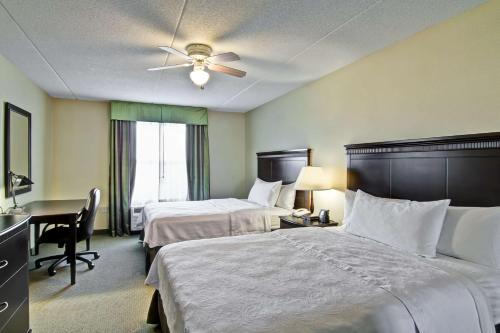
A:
x: 16, y: 211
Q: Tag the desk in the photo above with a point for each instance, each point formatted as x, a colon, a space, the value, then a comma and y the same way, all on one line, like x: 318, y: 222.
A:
x: 57, y: 212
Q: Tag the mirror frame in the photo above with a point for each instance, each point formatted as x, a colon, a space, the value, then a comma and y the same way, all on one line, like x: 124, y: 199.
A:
x: 8, y: 109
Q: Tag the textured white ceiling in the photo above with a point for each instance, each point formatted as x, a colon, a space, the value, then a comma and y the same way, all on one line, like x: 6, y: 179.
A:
x: 100, y: 49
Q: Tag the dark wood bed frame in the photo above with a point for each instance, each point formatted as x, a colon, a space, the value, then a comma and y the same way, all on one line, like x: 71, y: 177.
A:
x: 463, y: 168
x: 285, y: 165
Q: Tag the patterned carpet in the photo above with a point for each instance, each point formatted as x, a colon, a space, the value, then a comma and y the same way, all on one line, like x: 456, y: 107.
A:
x: 110, y: 298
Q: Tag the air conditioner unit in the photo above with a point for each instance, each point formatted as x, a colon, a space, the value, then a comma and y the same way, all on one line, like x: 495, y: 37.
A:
x: 136, y: 223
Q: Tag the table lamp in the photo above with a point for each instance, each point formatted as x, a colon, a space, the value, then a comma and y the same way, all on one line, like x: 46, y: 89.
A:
x: 312, y: 179
x: 17, y: 181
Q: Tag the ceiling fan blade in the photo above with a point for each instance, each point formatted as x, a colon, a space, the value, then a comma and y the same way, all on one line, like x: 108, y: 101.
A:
x: 175, y: 52
x: 226, y: 70
x: 224, y: 57
x: 169, y: 67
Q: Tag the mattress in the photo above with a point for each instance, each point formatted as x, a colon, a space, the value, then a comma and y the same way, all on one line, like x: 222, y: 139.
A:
x: 275, y: 221
x: 276, y: 212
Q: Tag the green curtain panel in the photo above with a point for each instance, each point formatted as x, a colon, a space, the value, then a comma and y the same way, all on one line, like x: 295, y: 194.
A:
x: 159, y: 113
x: 198, y: 162
x: 121, y: 175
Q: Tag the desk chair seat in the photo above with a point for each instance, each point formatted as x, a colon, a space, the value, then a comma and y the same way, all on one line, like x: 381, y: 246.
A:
x: 61, y: 236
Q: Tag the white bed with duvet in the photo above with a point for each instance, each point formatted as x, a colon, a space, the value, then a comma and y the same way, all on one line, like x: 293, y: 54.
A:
x: 395, y: 266
x: 171, y: 222
x: 316, y: 280
x: 348, y: 279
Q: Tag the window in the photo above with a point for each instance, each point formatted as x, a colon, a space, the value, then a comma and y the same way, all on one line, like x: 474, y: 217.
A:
x: 161, y: 173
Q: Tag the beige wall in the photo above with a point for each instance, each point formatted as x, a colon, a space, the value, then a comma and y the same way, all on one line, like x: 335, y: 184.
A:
x: 226, y: 133
x: 442, y: 81
x: 80, y: 152
x: 17, y: 89
x: 80, y: 157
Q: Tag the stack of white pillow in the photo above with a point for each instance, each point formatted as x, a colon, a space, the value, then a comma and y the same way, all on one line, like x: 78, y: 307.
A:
x: 271, y: 194
x: 426, y: 228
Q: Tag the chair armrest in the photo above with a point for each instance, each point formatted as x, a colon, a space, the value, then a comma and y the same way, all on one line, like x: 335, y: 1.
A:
x: 47, y: 225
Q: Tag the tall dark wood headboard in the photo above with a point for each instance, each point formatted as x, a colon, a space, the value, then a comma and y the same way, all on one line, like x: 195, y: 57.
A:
x: 465, y: 169
x: 284, y: 165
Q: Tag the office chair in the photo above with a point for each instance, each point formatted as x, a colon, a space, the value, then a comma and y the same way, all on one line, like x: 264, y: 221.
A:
x: 61, y: 235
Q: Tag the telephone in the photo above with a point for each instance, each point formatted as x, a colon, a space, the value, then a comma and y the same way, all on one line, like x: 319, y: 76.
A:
x: 300, y: 212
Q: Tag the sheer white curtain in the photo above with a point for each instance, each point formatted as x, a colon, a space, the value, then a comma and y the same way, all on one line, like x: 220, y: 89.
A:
x: 147, y: 167
x: 173, y: 171
x: 161, y: 163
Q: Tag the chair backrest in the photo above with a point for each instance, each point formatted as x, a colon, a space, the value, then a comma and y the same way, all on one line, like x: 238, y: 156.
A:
x: 88, y: 213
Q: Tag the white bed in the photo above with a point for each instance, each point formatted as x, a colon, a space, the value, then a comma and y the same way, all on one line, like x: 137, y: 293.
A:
x: 488, y: 279
x: 318, y: 280
x: 272, y: 195
x: 171, y: 222
x: 380, y: 274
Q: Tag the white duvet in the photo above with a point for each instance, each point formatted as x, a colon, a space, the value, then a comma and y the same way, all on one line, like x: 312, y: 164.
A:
x: 170, y: 222
x: 311, y: 280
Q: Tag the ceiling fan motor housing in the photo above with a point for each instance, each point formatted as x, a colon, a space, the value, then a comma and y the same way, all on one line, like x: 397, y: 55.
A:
x: 199, y: 51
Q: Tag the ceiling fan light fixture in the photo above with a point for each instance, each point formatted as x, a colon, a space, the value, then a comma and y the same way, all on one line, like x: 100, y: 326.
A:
x: 200, y: 57
x: 199, y: 76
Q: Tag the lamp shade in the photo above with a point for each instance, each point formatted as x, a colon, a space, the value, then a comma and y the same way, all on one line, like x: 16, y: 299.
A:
x: 312, y: 179
x: 20, y: 180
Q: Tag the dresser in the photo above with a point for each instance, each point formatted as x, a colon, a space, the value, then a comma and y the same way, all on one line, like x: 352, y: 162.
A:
x: 14, y: 306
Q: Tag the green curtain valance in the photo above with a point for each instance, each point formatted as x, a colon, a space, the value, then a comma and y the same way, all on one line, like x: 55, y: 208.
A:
x: 159, y: 113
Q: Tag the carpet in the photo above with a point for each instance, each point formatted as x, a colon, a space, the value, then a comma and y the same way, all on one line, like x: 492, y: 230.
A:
x: 110, y: 298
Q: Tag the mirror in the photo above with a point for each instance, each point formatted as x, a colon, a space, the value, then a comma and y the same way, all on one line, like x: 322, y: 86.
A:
x: 17, y: 146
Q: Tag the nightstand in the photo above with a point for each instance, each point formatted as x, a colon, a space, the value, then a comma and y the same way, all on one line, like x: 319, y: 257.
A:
x: 290, y: 221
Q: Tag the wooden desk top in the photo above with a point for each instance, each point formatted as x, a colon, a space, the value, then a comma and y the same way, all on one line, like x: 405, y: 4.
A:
x: 54, y: 207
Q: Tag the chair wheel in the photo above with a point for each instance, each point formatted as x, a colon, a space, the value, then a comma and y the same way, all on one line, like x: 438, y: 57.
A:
x: 52, y: 272
x: 91, y: 266
x: 96, y: 256
x: 37, y: 264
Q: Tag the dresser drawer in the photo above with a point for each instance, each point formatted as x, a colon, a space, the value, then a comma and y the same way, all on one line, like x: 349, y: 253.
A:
x: 12, y: 294
x: 20, y: 321
x: 13, y: 254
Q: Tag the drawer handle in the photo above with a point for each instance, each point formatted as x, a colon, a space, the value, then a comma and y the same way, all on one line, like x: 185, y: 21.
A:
x: 3, y: 264
x: 3, y: 306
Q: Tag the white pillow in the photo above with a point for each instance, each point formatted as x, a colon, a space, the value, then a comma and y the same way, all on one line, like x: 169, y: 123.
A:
x: 265, y: 193
x: 286, y: 198
x: 473, y: 234
x: 410, y: 226
x: 349, y: 202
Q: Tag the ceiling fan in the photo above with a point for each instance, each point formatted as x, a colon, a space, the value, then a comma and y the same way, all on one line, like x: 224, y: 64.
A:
x: 199, y: 56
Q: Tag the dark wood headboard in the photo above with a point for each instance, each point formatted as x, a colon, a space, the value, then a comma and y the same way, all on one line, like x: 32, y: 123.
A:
x: 465, y: 169
x: 284, y: 165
